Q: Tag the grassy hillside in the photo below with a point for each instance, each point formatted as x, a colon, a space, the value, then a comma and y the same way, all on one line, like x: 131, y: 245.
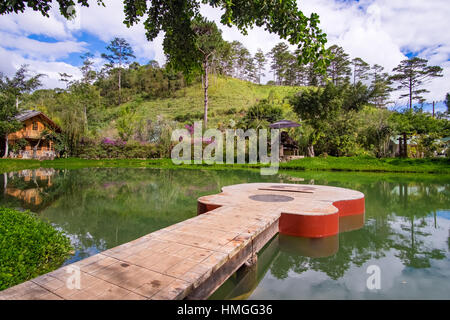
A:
x: 228, y: 98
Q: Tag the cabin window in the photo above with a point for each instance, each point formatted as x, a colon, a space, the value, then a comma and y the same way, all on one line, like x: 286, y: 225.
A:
x: 35, y: 125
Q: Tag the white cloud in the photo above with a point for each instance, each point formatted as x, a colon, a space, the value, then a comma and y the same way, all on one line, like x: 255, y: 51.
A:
x: 50, y: 68
x: 31, y: 22
x: 40, y: 50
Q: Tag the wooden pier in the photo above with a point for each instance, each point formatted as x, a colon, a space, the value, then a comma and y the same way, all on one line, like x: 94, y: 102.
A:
x: 191, y: 259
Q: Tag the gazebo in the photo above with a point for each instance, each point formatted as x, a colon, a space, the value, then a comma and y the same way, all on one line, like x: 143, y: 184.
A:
x: 289, y: 146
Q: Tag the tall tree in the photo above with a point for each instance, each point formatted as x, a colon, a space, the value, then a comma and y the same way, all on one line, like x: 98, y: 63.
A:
x: 301, y: 72
x: 120, y: 55
x: 223, y: 63
x: 208, y: 40
x: 339, y: 69
x: 8, y: 123
x: 280, y: 57
x: 86, y: 69
x: 360, y: 70
x: 242, y: 57
x: 12, y: 89
x: 21, y: 83
x: 412, y: 74
x: 260, y: 60
x: 250, y: 70
x: 380, y: 86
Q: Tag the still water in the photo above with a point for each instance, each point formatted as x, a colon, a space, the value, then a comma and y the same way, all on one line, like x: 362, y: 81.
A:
x: 406, y: 231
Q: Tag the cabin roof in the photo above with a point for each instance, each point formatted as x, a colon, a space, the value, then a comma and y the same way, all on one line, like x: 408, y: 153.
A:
x: 28, y: 114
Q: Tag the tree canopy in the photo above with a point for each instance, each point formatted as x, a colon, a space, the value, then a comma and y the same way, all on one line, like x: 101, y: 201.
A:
x: 412, y: 74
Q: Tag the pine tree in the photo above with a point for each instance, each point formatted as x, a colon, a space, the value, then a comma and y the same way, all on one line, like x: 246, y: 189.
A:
x: 339, y: 69
x: 412, y: 74
x: 260, y: 60
x: 360, y: 70
x: 280, y: 57
x: 380, y: 86
x: 121, y: 52
x: 87, y: 70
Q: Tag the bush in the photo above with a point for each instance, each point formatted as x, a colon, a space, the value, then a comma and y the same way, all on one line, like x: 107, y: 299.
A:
x: 117, y: 149
x: 29, y: 247
x: 261, y: 115
x: 189, y: 117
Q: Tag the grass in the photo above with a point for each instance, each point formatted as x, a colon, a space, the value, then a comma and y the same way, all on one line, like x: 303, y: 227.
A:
x: 362, y: 164
x: 29, y: 247
x: 367, y: 164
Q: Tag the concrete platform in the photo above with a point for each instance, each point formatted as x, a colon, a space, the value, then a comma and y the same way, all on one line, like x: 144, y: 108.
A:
x: 191, y: 259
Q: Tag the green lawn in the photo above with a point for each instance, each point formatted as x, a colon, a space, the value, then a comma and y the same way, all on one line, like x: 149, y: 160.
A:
x: 439, y: 165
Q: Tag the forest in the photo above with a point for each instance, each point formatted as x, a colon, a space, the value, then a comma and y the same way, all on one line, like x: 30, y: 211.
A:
x: 128, y: 110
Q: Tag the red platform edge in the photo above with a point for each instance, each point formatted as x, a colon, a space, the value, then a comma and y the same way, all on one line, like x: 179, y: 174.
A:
x: 310, y: 226
x: 319, y: 226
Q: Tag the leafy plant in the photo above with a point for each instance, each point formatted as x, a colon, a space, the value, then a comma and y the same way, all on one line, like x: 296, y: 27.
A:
x: 29, y: 247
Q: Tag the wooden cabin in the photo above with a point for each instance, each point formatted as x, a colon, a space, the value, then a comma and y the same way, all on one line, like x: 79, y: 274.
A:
x: 34, y: 123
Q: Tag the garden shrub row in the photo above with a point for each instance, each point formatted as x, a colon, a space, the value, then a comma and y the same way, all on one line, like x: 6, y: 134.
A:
x: 118, y: 149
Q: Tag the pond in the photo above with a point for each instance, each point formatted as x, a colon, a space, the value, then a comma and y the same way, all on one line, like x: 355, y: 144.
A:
x: 406, y: 231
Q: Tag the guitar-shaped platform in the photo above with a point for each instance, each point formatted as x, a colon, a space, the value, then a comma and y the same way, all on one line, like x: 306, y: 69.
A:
x: 304, y: 210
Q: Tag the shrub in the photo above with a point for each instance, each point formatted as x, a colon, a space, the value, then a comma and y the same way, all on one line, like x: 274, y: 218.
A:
x: 261, y: 115
x: 230, y: 111
x: 29, y: 247
x: 189, y: 117
x: 117, y: 149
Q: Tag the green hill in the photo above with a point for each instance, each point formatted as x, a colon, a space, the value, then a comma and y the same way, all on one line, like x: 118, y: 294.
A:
x: 228, y: 99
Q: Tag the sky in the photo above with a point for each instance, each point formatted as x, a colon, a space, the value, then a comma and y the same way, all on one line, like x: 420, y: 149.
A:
x: 382, y: 32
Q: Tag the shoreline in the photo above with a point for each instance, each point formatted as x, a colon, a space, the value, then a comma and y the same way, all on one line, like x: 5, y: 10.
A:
x: 329, y: 164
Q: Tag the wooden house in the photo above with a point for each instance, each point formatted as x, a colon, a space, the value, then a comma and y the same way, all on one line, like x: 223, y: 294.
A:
x: 38, y: 145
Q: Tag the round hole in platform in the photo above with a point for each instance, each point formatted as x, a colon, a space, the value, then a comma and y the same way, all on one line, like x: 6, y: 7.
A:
x: 271, y: 198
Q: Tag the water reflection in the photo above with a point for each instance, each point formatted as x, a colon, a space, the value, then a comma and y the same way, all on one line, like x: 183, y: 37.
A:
x: 406, y: 230
x: 406, y: 233
x: 103, y: 208
x: 28, y: 187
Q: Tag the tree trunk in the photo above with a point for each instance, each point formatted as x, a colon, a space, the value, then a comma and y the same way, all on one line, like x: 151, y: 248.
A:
x: 35, y: 148
x: 206, y: 84
x: 6, y: 146
x: 120, y: 84
x: 85, y: 117
x: 410, y: 94
x: 5, y: 186
x: 311, y: 151
x: 405, y: 146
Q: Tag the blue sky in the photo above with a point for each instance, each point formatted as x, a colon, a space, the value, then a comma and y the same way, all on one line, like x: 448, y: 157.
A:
x: 379, y: 31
